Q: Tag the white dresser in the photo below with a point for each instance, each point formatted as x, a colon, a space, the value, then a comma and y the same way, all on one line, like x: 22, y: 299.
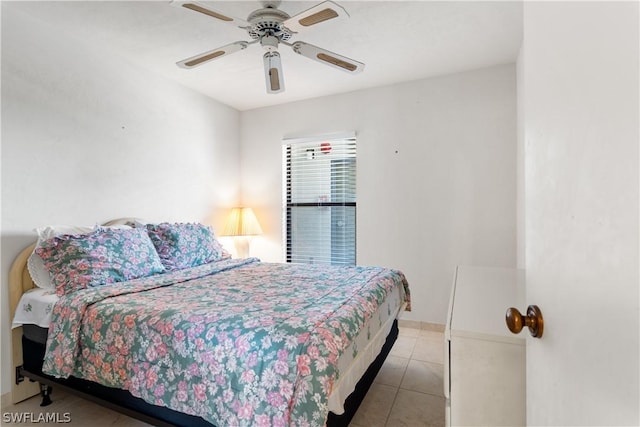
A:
x: 484, y: 362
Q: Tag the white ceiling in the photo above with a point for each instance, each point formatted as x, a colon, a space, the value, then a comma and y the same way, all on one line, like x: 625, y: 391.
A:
x: 397, y: 40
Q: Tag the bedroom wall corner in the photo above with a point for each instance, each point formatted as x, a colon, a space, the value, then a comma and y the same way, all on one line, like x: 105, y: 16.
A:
x: 88, y: 137
x: 436, y: 175
x: 520, y: 164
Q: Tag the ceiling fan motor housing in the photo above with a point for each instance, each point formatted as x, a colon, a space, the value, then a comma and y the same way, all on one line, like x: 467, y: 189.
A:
x: 268, y: 22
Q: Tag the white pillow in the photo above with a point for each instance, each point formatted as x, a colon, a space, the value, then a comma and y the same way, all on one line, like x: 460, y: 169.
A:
x: 35, y: 265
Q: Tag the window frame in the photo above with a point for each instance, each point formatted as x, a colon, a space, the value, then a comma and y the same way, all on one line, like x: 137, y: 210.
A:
x: 288, y: 204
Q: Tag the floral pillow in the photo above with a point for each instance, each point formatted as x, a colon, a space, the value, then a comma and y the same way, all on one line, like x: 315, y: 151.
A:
x: 184, y: 245
x: 35, y: 265
x: 39, y: 273
x: 98, y: 258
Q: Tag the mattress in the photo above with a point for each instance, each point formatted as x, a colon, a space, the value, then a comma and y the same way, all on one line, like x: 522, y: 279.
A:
x: 35, y: 307
x: 35, y: 333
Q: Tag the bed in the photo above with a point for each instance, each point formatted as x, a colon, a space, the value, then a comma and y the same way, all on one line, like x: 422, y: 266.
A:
x: 230, y: 342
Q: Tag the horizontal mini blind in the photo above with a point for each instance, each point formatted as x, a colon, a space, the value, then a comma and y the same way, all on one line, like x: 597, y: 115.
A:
x: 320, y: 201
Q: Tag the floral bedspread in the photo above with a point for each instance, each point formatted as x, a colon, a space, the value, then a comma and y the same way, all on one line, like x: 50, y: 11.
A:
x: 236, y: 342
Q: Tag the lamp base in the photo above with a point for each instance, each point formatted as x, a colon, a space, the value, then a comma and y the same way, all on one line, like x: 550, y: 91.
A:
x: 242, y: 246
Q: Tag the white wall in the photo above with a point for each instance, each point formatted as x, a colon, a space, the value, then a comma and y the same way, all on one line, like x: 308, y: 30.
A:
x: 580, y: 84
x: 88, y: 137
x: 436, y: 176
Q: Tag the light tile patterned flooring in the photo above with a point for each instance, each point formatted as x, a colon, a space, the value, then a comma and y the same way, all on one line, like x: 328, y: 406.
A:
x: 408, y: 392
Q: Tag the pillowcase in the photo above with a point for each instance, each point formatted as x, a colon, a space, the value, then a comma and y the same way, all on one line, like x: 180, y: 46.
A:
x: 183, y: 245
x: 104, y: 256
x: 35, y: 265
x: 38, y: 272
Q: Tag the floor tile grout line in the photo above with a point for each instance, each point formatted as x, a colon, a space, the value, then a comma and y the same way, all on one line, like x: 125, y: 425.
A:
x: 395, y: 397
x: 405, y: 372
x: 421, y: 392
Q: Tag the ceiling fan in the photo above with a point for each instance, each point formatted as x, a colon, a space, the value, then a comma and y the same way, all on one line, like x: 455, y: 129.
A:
x: 271, y: 27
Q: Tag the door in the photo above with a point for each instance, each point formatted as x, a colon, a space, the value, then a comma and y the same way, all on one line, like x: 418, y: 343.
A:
x: 579, y: 75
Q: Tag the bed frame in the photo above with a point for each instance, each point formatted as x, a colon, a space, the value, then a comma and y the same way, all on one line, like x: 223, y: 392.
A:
x: 28, y: 380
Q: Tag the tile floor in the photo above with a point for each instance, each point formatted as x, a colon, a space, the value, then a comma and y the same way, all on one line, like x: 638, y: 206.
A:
x: 408, y: 392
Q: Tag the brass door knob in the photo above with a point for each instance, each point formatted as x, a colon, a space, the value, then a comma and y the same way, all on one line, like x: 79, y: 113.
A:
x: 533, y: 320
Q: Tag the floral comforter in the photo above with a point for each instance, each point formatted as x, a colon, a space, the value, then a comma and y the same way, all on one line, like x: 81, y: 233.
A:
x: 236, y: 342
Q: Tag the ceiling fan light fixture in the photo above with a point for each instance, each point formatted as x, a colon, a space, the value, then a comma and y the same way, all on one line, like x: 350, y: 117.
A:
x: 273, y: 72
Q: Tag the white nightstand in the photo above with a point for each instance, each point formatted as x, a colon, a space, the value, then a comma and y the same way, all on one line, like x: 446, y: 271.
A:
x: 484, y: 362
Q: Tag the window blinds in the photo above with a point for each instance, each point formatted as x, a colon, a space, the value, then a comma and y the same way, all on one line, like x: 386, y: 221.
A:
x: 320, y: 201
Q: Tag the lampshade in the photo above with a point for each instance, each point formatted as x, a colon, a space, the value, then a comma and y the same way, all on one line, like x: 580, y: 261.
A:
x: 242, y: 222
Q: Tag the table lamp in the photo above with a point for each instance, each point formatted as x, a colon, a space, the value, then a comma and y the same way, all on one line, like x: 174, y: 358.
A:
x: 242, y: 224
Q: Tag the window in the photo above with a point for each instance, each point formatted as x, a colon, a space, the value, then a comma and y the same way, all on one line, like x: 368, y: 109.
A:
x: 320, y: 200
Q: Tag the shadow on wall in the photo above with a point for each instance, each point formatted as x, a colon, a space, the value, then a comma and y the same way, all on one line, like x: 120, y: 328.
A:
x: 11, y: 245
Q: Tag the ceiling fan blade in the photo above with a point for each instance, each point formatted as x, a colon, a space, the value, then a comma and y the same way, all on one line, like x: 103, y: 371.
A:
x: 200, y: 59
x: 213, y: 13
x: 273, y: 72
x: 326, y: 57
x: 318, y: 14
